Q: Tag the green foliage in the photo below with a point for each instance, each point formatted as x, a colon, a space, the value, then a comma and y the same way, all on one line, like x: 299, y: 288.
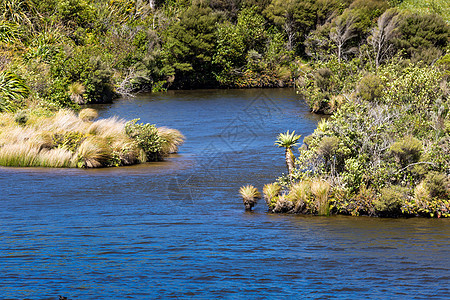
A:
x: 12, y: 91
x: 21, y: 117
x: 438, y: 185
x: 189, y: 47
x: 407, y: 150
x: 287, y: 140
x: 76, y: 12
x: 390, y: 201
x: 9, y: 32
x: 68, y: 140
x: 422, y: 33
x: 370, y: 88
x: 146, y: 136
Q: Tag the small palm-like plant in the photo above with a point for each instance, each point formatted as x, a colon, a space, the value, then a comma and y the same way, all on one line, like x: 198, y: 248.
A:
x: 288, y: 140
x: 250, y: 196
x: 271, y: 191
x: 8, y: 32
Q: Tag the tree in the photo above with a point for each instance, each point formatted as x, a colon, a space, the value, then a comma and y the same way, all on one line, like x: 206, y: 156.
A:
x: 294, y: 17
x: 422, y: 37
x: 342, y: 31
x: 189, y: 46
x: 383, y: 35
x: 288, y: 140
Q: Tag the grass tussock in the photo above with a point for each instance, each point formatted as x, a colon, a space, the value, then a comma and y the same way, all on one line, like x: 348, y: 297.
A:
x: 88, y: 114
x: 65, y: 140
x: 271, y: 193
x: 171, y: 139
x: 320, y: 190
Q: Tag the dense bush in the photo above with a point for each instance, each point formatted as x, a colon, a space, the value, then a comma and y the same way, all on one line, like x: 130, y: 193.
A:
x: 147, y: 137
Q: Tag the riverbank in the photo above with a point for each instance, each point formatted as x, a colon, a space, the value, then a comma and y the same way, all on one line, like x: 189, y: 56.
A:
x: 64, y: 139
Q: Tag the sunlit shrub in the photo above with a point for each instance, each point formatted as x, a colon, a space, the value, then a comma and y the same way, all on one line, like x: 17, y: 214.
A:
x: 407, y: 150
x: 370, y: 88
x: 437, y: 185
x: 147, y: 137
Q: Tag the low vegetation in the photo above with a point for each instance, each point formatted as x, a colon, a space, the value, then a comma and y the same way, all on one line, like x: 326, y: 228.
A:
x: 39, y: 138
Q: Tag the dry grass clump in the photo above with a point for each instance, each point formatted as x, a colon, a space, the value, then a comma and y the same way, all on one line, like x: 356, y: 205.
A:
x: 56, y: 158
x: 93, y: 153
x: 111, y: 127
x: 271, y: 192
x: 300, y: 194
x: 320, y: 189
x: 88, y: 114
x: 172, y: 139
x: 64, y: 139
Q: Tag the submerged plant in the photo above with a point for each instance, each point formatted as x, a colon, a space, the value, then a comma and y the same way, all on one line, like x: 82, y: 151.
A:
x: 250, y: 196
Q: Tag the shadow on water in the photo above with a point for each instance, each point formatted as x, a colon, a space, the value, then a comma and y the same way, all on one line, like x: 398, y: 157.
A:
x: 177, y: 229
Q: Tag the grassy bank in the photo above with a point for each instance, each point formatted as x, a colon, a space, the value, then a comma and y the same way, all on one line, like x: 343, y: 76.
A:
x: 40, y: 138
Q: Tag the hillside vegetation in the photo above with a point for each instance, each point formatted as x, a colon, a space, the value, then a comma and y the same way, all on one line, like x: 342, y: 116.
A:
x: 66, y: 53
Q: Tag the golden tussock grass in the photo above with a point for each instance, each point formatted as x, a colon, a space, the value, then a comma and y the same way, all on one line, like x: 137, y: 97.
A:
x: 65, y: 139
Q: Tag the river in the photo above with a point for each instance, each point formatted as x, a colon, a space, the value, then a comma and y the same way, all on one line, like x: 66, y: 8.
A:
x: 177, y: 229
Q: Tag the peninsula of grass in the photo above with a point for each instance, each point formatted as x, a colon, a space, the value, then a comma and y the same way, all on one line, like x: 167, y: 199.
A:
x: 66, y: 139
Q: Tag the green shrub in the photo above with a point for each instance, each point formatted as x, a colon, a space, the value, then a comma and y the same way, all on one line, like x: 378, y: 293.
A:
x: 370, y: 88
x: 363, y: 203
x: 438, y: 185
x: 390, y: 201
x: 68, y: 140
x: 407, y: 150
x: 147, y: 137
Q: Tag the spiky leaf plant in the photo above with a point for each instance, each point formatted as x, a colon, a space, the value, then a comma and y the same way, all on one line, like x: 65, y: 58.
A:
x: 250, y: 196
x: 288, y: 140
x: 12, y: 89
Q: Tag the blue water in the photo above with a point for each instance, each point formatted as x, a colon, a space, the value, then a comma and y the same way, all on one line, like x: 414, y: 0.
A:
x: 177, y: 229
